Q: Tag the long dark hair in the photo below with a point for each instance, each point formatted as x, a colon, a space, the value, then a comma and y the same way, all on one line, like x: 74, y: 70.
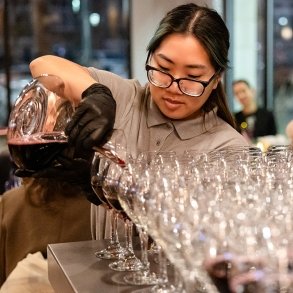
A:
x: 207, y: 26
x: 44, y: 192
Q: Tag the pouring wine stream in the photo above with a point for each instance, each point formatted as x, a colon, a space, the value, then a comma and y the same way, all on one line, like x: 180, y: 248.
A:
x: 108, y: 151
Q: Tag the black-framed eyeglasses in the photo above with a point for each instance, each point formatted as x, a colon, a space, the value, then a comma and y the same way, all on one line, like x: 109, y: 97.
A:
x: 187, y: 86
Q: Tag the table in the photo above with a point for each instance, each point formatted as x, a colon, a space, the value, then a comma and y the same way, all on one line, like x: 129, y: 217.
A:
x: 73, y: 267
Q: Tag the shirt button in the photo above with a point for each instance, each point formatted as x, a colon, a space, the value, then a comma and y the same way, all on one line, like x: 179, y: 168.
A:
x: 158, y: 142
x: 169, y: 126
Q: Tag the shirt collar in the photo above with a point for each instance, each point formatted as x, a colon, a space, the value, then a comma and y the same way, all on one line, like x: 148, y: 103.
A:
x: 186, y: 129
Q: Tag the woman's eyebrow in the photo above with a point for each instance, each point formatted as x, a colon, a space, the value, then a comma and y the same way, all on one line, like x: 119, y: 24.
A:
x: 197, y: 66
x: 162, y: 56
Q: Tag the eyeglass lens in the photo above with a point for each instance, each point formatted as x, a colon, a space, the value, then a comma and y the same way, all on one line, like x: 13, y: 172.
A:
x: 164, y: 80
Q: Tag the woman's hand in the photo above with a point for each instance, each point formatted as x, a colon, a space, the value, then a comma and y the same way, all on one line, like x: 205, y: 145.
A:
x: 93, y: 121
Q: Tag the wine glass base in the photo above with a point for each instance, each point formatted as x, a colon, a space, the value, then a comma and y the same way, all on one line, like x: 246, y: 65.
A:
x: 111, y: 252
x: 141, y: 279
x: 126, y: 265
x: 164, y: 288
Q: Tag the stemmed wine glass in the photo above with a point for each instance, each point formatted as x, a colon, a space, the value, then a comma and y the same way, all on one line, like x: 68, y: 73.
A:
x: 127, y: 261
x: 128, y: 197
x: 111, y: 162
x: 99, y: 168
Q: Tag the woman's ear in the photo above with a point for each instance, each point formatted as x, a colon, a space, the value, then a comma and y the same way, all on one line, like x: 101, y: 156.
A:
x: 217, y: 80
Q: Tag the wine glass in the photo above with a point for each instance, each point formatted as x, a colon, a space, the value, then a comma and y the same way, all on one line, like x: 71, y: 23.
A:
x: 99, y: 168
x: 131, y: 184
x: 127, y: 261
x: 36, y: 123
x: 106, y: 171
x: 153, y: 158
x: 115, y: 152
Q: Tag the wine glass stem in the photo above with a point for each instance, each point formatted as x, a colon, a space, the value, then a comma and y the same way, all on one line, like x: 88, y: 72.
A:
x: 128, y: 235
x: 163, y: 275
x: 114, y: 222
x: 144, y: 239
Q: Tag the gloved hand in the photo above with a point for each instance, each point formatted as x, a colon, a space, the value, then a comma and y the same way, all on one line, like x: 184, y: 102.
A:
x: 73, y: 171
x: 93, y: 120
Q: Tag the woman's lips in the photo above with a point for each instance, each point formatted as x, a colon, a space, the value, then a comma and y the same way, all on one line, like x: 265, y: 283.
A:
x: 172, y: 104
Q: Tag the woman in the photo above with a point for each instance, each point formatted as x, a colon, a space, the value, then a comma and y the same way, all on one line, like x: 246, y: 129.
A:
x: 182, y: 107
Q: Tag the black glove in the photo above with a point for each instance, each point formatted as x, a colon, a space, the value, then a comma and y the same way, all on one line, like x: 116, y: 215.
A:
x: 23, y: 173
x: 73, y: 171
x: 93, y: 120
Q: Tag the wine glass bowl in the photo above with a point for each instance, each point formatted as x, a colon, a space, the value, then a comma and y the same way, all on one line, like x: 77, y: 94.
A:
x: 37, y: 122
x: 110, y: 186
x: 113, y: 153
x: 98, y: 172
x: 108, y: 151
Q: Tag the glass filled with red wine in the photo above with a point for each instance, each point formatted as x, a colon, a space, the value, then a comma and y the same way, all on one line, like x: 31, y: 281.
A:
x: 36, y: 123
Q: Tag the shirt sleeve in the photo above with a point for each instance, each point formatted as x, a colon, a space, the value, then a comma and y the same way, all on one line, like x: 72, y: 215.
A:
x: 125, y: 91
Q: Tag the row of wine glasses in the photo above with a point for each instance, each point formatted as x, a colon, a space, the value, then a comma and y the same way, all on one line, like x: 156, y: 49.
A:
x: 156, y: 211
x: 105, y: 182
x: 204, y: 215
x: 120, y: 193
x: 229, y: 209
x: 109, y: 181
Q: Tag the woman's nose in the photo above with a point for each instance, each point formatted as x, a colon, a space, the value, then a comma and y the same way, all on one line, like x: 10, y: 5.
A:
x: 174, y: 87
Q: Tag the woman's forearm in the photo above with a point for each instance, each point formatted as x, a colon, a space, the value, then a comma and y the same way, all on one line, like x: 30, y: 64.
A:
x: 75, y: 77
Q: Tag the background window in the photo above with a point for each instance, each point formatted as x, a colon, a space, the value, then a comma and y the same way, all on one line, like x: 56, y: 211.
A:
x: 92, y: 33
x: 263, y: 54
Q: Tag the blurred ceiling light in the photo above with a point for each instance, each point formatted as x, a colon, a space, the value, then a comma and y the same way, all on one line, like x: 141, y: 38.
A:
x: 286, y: 33
x: 94, y: 19
x: 75, y: 5
x: 283, y: 20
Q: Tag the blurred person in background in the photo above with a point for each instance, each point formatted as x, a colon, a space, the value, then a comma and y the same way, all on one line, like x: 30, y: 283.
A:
x: 252, y: 121
x: 42, y: 211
